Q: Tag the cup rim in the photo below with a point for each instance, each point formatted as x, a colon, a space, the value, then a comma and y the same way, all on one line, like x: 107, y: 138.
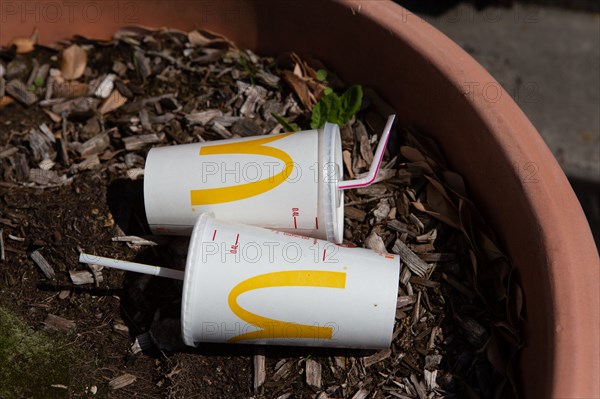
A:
x: 194, y: 253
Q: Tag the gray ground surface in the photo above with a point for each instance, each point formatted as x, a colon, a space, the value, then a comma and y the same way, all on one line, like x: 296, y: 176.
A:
x: 548, y: 60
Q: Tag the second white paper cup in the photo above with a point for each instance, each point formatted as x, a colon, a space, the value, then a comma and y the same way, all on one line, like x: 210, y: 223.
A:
x: 245, y: 284
x: 286, y: 182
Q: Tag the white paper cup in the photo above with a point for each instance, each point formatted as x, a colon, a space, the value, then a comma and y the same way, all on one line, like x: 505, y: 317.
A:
x: 287, y: 182
x: 249, y: 285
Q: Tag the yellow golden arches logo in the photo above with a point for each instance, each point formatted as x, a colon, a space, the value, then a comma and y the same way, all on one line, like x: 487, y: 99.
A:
x: 219, y: 195
x: 271, y: 328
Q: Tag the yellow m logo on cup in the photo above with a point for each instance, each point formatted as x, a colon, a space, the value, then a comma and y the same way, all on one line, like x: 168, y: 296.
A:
x: 219, y: 195
x: 271, y: 328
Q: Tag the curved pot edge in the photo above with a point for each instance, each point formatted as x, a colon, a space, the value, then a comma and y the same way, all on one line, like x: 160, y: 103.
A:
x: 564, y: 231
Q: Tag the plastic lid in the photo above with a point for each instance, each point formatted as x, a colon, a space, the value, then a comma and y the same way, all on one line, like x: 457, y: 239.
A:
x: 332, y: 198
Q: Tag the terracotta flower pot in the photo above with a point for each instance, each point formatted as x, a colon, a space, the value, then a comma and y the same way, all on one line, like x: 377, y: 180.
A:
x: 438, y: 88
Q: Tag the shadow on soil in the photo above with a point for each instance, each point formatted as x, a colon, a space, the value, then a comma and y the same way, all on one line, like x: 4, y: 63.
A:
x: 151, y: 306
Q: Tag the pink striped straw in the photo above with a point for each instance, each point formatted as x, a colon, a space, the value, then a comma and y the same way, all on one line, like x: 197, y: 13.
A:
x: 377, y: 158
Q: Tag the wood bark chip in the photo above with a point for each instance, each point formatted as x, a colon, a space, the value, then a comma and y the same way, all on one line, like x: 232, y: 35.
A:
x: 400, y: 227
x: 135, y: 240
x: 96, y: 145
x: 355, y: 213
x: 313, y: 373
x: 18, y: 90
x: 376, y: 357
x: 2, y: 254
x: 363, y: 139
x: 283, y: 370
x: 114, y: 101
x: 203, y: 117
x: 260, y: 372
x: 419, y: 387
x: 82, y: 277
x: 374, y: 242
x: 362, y: 393
x: 121, y: 381
x: 134, y: 143
x: 2, y: 86
x: 43, y: 264
x: 410, y: 259
x: 7, y: 152
x: 405, y: 300
x: 57, y: 323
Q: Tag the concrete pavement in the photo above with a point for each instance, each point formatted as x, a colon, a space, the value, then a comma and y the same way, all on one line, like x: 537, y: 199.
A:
x: 548, y: 60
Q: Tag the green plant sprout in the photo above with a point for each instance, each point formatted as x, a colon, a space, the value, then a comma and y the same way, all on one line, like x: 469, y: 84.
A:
x: 287, y: 125
x: 337, y: 109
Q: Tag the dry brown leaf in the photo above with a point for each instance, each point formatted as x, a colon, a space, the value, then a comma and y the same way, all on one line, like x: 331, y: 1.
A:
x: 517, y: 299
x: 489, y: 248
x: 426, y: 145
x: 496, y: 353
x: 210, y: 38
x: 465, y: 213
x: 416, y: 155
x: 430, y: 211
x: 442, y: 190
x: 132, y: 31
x: 73, y: 63
x: 23, y: 44
x: 299, y: 87
x: 475, y: 268
x: 455, y: 182
x: 309, y: 72
x: 198, y: 39
x: 412, y: 154
x: 298, y: 71
x: 421, y: 165
x: 317, y: 89
x: 6, y: 100
x: 498, y: 272
x: 441, y: 205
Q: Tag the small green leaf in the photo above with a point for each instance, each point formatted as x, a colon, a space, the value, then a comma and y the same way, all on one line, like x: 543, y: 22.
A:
x: 244, y: 63
x: 287, y: 125
x: 321, y: 74
x: 326, y: 110
x: 335, y: 109
x: 350, y: 103
x: 318, y: 117
x: 38, y: 81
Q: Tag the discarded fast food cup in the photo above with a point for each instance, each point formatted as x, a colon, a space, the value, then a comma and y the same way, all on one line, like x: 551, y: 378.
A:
x: 250, y: 285
x: 290, y: 182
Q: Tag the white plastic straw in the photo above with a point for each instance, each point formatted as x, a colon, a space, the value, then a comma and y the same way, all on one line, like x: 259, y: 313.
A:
x: 370, y: 177
x: 131, y: 266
